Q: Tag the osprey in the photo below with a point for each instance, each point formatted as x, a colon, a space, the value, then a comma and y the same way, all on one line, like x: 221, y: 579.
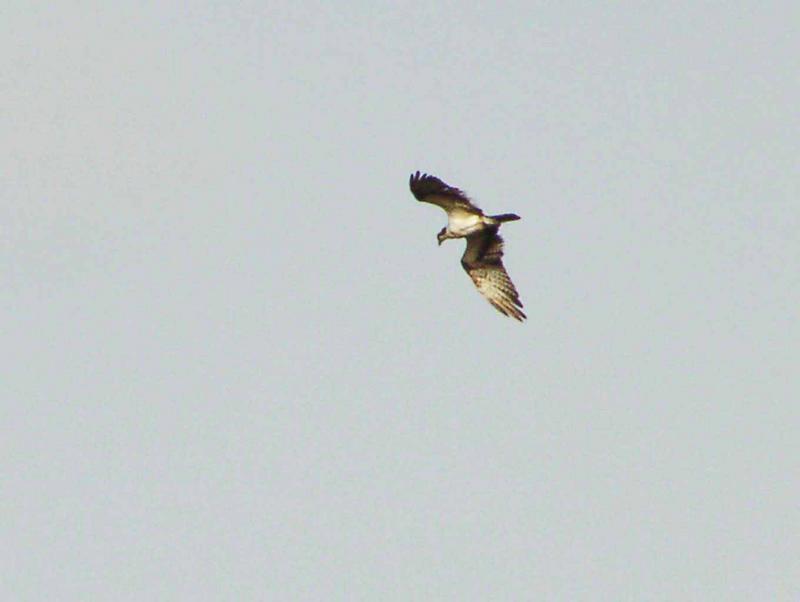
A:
x: 483, y: 257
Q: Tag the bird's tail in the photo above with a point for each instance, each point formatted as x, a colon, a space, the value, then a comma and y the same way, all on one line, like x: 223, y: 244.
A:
x: 505, y: 217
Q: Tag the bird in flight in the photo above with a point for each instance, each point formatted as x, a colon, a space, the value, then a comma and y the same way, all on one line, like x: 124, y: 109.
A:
x: 483, y: 257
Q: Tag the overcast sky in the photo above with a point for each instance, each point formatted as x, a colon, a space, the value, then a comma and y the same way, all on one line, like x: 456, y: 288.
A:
x: 236, y: 365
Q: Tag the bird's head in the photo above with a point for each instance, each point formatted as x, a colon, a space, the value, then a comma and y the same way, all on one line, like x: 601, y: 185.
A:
x: 441, y: 236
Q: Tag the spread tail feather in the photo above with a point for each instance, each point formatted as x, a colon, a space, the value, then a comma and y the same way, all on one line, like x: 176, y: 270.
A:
x: 505, y: 217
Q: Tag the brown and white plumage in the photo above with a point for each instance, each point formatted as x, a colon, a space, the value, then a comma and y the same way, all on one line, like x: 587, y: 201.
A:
x: 483, y: 261
x: 482, y: 258
x: 430, y: 189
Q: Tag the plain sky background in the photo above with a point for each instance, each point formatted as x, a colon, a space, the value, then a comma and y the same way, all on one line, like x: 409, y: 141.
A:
x: 236, y: 366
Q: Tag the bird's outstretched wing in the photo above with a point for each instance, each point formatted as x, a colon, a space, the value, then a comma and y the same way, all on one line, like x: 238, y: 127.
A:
x: 430, y: 189
x: 483, y: 261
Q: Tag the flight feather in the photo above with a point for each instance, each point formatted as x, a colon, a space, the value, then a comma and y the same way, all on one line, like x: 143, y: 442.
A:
x: 430, y: 189
x: 483, y: 261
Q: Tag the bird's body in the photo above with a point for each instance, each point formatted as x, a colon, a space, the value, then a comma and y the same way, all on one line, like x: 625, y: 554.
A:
x: 461, y: 223
x: 482, y: 258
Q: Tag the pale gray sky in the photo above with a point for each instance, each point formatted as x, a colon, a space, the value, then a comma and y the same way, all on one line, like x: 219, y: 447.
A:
x: 236, y: 366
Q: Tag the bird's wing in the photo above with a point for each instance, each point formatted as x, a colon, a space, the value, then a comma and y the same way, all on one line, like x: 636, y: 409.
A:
x: 430, y: 189
x: 483, y: 261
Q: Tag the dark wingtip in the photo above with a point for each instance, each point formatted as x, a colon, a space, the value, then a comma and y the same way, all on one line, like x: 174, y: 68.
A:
x: 517, y: 314
x: 423, y: 184
x: 414, y: 179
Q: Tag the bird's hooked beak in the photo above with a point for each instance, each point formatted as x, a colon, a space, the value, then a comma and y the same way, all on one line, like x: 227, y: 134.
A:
x: 440, y: 236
